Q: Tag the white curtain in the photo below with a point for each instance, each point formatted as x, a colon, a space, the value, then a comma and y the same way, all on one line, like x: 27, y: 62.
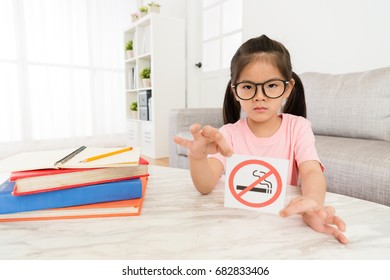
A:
x: 62, y: 74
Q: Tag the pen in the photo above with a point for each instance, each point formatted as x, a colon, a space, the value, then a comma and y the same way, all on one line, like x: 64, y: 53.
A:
x: 107, y: 154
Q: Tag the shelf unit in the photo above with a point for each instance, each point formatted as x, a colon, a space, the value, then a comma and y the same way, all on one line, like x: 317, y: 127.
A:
x: 158, y: 43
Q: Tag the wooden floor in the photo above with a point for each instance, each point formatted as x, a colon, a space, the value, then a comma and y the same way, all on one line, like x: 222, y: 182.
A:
x: 159, y: 162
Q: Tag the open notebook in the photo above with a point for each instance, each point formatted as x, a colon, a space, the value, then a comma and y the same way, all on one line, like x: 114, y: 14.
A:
x: 70, y: 158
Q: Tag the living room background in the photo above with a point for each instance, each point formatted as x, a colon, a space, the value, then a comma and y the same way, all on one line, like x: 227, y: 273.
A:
x: 72, y: 50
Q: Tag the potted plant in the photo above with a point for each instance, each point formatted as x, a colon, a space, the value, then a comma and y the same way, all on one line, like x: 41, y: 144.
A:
x: 135, y: 16
x: 134, y: 109
x: 129, y: 49
x: 143, y: 11
x: 145, y: 76
x: 154, y: 7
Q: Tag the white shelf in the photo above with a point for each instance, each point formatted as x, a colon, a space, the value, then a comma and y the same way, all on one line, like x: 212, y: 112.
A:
x: 159, y: 43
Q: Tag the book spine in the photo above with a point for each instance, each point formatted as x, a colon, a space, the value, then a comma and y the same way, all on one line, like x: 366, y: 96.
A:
x: 120, y: 190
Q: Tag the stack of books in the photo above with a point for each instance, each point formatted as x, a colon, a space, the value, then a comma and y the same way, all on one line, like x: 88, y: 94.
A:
x: 64, y: 184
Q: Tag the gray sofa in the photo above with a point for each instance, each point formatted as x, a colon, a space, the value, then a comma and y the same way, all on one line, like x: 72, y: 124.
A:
x: 350, y: 116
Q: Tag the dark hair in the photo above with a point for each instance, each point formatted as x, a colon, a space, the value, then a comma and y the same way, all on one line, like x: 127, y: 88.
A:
x: 249, y: 51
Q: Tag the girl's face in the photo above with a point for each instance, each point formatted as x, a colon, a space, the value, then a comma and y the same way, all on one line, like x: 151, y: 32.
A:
x: 260, y: 108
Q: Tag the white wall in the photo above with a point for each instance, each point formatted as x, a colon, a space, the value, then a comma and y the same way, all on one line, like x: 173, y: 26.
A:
x: 333, y: 36
x: 329, y: 36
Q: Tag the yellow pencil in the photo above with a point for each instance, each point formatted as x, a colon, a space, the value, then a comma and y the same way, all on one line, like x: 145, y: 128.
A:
x: 107, y: 154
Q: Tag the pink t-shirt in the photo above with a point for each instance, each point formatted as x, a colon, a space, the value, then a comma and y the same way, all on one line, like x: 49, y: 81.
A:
x: 293, y: 141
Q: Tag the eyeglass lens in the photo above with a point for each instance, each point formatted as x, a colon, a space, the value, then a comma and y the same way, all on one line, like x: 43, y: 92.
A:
x: 272, y: 89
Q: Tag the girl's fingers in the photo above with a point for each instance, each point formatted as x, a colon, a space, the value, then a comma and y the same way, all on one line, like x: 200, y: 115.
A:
x: 329, y: 210
x: 298, y: 205
x: 332, y: 219
x: 182, y: 142
x: 196, y: 131
x: 223, y: 146
x: 206, y: 140
x: 214, y: 136
x: 320, y: 219
x: 339, y: 223
x: 336, y: 233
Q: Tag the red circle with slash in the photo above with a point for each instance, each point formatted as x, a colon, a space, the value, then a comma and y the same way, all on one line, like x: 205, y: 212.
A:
x: 272, y: 172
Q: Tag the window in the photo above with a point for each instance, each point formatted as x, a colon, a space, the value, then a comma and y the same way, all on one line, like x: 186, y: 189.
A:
x: 61, y: 67
x: 222, y: 32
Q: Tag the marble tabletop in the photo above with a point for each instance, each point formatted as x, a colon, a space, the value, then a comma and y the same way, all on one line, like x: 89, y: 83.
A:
x: 179, y: 223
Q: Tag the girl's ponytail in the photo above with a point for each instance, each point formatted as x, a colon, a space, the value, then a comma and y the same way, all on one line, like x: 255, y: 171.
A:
x: 296, y: 104
x: 231, y: 107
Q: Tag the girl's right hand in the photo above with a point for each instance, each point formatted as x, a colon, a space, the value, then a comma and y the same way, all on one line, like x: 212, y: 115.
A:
x: 207, y: 140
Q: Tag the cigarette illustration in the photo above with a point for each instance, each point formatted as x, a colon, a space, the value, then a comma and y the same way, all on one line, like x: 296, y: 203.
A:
x: 265, y: 186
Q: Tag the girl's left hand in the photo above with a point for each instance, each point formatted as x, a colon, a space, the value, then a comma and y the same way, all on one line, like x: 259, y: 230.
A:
x: 321, y: 219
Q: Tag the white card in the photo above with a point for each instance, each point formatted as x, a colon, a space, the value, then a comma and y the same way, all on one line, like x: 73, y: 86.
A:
x: 257, y: 183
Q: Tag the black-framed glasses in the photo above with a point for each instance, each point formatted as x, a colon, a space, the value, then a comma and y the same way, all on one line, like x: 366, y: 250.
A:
x: 272, y: 89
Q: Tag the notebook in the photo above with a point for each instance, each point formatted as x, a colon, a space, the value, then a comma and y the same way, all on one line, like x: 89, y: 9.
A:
x: 69, y: 158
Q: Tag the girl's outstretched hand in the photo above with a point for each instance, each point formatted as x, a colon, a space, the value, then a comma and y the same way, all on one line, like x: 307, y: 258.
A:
x: 207, y: 140
x: 321, y: 219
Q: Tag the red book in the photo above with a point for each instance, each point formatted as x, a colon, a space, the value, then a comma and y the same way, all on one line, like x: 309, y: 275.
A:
x: 43, y: 180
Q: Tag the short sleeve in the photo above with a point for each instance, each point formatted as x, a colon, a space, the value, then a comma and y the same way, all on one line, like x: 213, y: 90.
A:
x: 305, y: 148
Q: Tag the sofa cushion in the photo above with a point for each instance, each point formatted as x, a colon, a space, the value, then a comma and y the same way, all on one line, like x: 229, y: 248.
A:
x: 355, y: 105
x: 356, y: 167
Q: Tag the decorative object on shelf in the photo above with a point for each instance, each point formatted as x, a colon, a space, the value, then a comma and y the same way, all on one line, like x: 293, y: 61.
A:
x: 154, y: 7
x: 145, y: 76
x: 143, y: 11
x: 135, y: 16
x: 134, y: 110
x: 129, y: 49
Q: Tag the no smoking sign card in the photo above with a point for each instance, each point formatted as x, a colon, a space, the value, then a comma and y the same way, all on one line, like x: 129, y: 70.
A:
x: 257, y: 183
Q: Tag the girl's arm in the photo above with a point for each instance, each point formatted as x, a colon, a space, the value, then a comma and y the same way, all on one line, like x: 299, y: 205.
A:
x: 205, y: 173
x: 207, y: 140
x: 313, y: 182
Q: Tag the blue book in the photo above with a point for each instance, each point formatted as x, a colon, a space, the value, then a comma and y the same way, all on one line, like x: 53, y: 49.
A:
x: 112, y: 191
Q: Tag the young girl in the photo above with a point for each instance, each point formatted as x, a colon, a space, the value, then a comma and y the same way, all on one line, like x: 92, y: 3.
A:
x: 262, y: 85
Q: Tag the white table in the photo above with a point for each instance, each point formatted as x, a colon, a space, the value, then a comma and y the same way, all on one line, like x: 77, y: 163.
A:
x: 179, y: 223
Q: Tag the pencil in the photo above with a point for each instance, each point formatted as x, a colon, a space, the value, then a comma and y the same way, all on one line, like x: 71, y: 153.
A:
x: 107, y: 154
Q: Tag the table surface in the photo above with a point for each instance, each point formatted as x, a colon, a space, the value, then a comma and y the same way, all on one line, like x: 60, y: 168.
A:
x: 179, y: 223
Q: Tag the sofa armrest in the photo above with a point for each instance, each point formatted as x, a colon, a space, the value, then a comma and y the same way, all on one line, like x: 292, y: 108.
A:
x: 180, y: 121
